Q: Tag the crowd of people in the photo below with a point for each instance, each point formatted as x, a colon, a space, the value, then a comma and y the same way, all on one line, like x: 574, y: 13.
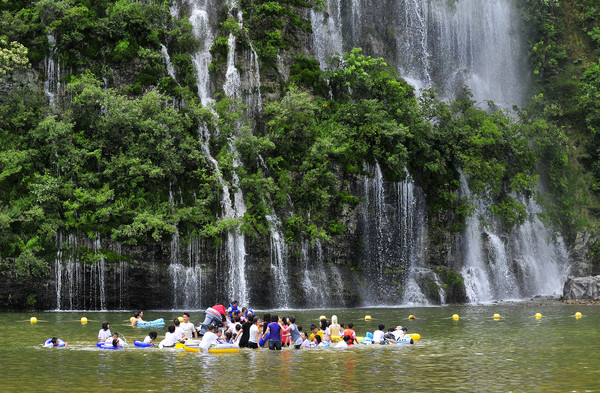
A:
x: 243, y: 328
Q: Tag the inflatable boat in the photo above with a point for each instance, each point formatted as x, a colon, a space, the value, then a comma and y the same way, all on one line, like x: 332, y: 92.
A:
x: 157, y: 323
x: 218, y: 348
x: 48, y: 343
x: 142, y: 344
x: 105, y: 345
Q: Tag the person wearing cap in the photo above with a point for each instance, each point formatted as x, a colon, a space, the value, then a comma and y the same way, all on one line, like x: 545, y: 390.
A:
x: 403, y: 336
x: 398, y: 332
x: 209, y: 338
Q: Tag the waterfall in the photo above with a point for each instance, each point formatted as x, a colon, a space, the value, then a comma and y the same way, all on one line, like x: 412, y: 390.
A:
x: 98, y: 276
x: 236, y: 245
x: 233, y: 82
x: 446, y: 45
x: 321, y: 282
x: 279, y: 269
x: 392, y: 225
x: 438, y: 44
x: 58, y: 268
x: 167, y: 59
x: 52, y: 71
x: 327, y: 31
x: 253, y: 99
x: 187, y: 280
x: 121, y: 276
x: 200, y: 19
x: 251, y: 96
x: 526, y: 262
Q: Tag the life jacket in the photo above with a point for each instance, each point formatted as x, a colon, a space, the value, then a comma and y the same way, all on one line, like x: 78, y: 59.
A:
x: 233, y: 309
x: 351, y: 333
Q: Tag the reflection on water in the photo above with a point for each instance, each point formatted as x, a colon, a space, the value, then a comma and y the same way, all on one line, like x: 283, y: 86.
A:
x: 517, y: 353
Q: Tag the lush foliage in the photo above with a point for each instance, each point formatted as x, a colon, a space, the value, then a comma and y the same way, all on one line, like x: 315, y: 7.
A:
x: 123, y: 157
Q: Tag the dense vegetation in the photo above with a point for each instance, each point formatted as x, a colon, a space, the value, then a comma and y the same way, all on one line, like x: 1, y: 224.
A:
x: 120, y: 155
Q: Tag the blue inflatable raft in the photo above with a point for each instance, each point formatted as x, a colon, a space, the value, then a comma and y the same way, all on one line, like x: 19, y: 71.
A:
x: 104, y: 345
x: 142, y: 344
x: 160, y: 322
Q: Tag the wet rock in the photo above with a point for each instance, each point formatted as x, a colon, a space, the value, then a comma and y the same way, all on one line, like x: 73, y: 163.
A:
x: 582, y: 288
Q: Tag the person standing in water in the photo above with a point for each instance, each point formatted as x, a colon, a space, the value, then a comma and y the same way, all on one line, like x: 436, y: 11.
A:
x: 274, y: 331
x: 335, y: 328
x: 104, y: 333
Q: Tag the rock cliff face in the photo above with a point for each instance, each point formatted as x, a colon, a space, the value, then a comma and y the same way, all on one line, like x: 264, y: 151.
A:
x: 586, y: 288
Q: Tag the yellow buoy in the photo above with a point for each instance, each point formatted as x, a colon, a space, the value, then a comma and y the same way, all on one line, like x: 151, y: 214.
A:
x: 83, y: 320
x: 180, y: 319
x: 131, y: 319
x: 33, y: 320
x: 578, y: 315
x: 415, y: 336
x: 538, y: 315
x: 322, y: 317
x: 411, y: 317
x: 367, y: 317
x: 455, y: 317
x: 496, y: 316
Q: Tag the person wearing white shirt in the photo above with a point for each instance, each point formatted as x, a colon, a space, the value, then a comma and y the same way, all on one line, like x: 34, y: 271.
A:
x: 104, y: 333
x: 188, y: 328
x: 378, y: 334
x: 170, y: 338
x: 398, y: 332
x: 179, y: 334
x: 343, y: 343
x: 254, y: 337
x: 115, y: 336
x: 209, y: 338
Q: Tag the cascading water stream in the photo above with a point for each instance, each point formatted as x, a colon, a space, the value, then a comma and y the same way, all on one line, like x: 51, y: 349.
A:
x: 528, y: 261
x: 437, y: 44
x: 204, y: 32
x: 446, y: 45
x: 167, y: 59
x: 327, y: 33
x: 278, y: 250
x: 393, y: 225
x: 97, y: 278
x: 52, y: 71
x: 321, y: 283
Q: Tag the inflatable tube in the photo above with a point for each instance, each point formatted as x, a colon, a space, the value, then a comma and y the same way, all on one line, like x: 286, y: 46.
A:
x: 142, y: 344
x: 160, y: 322
x: 415, y: 336
x: 224, y: 348
x: 405, y: 341
x: 48, y: 344
x: 218, y: 348
x: 335, y: 339
x: 262, y: 341
x: 103, y: 345
x: 191, y: 348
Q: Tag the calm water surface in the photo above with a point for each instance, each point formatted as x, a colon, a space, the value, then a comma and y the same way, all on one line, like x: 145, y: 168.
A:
x: 474, y: 354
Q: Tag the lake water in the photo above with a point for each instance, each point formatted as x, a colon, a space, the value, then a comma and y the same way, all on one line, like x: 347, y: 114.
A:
x: 517, y: 353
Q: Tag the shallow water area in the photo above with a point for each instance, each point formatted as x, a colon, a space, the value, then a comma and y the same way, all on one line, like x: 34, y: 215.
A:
x: 519, y: 353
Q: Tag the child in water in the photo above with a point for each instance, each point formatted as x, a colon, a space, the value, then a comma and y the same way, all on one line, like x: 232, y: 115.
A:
x: 150, y: 338
x: 115, y: 337
x: 305, y: 342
